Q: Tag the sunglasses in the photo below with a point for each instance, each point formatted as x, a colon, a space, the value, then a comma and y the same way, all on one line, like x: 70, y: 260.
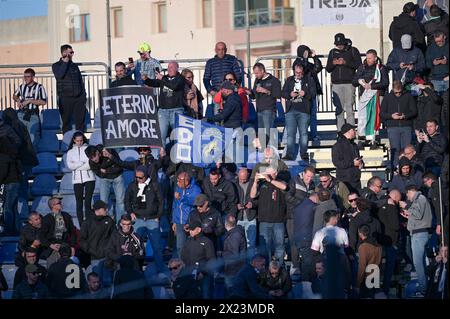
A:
x: 323, y: 182
x: 174, y: 268
x: 352, y: 200
x: 140, y: 177
x: 72, y: 52
x: 230, y: 79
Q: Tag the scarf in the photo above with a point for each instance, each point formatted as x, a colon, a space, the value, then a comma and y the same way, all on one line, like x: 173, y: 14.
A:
x: 142, y: 187
x: 60, y: 225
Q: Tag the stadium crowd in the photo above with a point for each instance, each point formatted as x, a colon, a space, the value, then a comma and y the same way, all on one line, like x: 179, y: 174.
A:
x: 257, y: 228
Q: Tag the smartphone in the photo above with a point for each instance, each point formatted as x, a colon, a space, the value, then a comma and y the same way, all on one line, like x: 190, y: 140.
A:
x: 421, y: 131
x: 130, y: 60
x: 157, y: 70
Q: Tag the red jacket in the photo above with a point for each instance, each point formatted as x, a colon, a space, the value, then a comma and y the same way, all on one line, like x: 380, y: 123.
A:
x: 244, y: 100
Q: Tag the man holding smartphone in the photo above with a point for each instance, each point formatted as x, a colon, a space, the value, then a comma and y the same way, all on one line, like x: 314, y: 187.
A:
x: 397, y: 112
x: 70, y: 89
x: 145, y: 66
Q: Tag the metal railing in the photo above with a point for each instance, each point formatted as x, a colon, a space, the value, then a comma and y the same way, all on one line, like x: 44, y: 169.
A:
x: 264, y: 17
x: 95, y: 77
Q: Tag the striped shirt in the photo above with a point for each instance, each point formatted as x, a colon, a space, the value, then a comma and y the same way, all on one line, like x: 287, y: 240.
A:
x: 34, y: 92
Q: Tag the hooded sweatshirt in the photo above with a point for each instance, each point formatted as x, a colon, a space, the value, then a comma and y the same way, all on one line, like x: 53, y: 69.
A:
x: 401, y: 182
x: 420, y: 215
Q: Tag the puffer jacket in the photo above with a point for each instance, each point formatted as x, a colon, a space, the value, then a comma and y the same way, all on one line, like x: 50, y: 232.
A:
x: 95, y: 234
x: 78, y: 162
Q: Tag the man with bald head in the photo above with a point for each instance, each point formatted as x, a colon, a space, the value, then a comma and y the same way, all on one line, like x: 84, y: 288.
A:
x: 218, y: 66
x: 271, y: 159
x: 171, y: 93
x: 246, y: 207
x: 410, y: 153
x: 388, y: 215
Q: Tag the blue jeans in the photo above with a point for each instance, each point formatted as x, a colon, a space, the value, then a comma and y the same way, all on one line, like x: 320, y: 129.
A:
x: 418, y: 243
x: 119, y: 192
x: 391, y: 259
x: 266, y: 120
x: 167, y: 120
x: 150, y: 229
x: 440, y: 86
x: 271, y: 237
x: 33, y: 127
x: 313, y: 121
x: 181, y: 237
x: 399, y: 137
x: 297, y: 121
x: 12, y: 218
x: 250, y: 234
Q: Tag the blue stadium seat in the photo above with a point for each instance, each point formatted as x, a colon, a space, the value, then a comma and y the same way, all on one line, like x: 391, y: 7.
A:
x: 63, y: 166
x: 44, y: 185
x: 49, y: 142
x: 129, y: 155
x: 280, y: 119
x: 51, y: 119
x: 128, y: 177
x: 66, y: 186
x: 69, y: 204
x: 96, y: 138
x: 23, y: 208
x: 87, y: 120
x: 40, y: 205
x: 47, y: 164
x: 97, y: 124
x: 8, y: 250
x: 67, y: 139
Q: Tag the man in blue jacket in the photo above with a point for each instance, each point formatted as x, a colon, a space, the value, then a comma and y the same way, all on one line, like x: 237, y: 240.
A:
x: 183, y: 203
x: 218, y: 66
x: 245, y: 284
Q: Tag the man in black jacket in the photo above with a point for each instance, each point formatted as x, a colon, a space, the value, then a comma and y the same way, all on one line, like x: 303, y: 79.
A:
x: 372, y: 80
x: 247, y: 209
x: 30, y: 258
x: 95, y: 234
x: 70, y: 89
x: 220, y: 192
x: 298, y: 91
x: 434, y: 197
x: 373, y: 193
x: 184, y: 285
x: 30, y: 235
x: 432, y: 147
x: 57, y: 229
x: 388, y: 215
x: 129, y: 282
x: 107, y: 165
x: 304, y: 53
x: 125, y: 241
x: 346, y: 158
x: 406, y: 23
x: 300, y: 186
x: 429, y: 105
x: 31, y: 288
x: 231, y: 115
x: 121, y: 76
x: 270, y: 190
x: 234, y: 250
x: 266, y: 91
x: 171, y: 91
x: 208, y: 217
x: 62, y: 272
x: 342, y: 63
x: 438, y: 22
x: 198, y: 255
x: 144, y: 203
x: 397, y: 112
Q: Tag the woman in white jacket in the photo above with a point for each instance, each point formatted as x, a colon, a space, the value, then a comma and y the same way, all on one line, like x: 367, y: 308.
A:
x: 83, y: 178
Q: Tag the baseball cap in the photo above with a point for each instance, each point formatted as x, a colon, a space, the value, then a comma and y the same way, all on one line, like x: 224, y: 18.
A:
x: 347, y: 127
x: 200, y: 200
x: 410, y: 7
x: 339, y: 39
x: 194, y: 224
x: 144, y: 47
x: 100, y: 204
x: 31, y: 268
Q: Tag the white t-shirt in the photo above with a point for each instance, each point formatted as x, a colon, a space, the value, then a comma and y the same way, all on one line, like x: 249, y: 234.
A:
x: 330, y: 235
